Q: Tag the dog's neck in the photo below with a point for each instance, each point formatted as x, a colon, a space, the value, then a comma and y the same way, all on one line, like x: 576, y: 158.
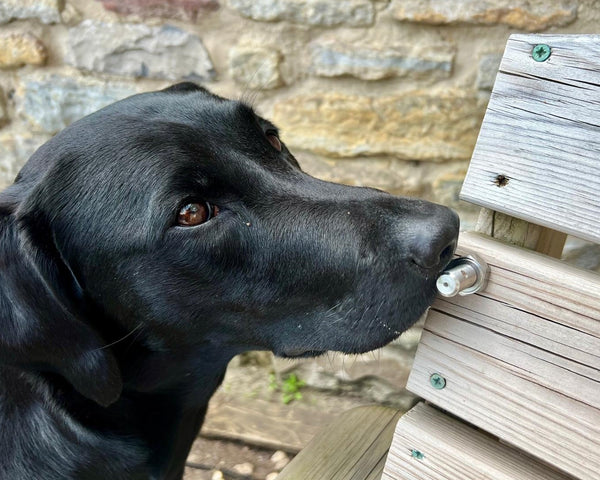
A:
x: 193, y: 378
x: 166, y: 389
x: 162, y: 406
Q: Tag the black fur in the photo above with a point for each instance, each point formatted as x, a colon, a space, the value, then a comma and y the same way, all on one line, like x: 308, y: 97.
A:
x: 116, y: 324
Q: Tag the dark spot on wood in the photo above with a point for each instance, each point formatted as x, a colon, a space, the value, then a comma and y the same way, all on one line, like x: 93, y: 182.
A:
x: 501, y: 180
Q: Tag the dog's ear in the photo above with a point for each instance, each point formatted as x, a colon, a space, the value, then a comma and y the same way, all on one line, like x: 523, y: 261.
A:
x: 42, y: 313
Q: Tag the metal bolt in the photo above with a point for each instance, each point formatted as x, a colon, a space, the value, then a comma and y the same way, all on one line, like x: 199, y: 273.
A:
x: 437, y: 381
x: 463, y: 276
x: 541, y: 52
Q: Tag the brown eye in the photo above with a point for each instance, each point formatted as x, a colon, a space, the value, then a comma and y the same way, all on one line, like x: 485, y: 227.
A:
x: 196, y: 213
x: 274, y: 140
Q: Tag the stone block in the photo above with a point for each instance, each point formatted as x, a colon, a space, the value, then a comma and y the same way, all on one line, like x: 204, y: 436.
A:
x: 20, y: 49
x: 179, y: 9
x: 445, y: 187
x: 324, y: 13
x: 16, y: 146
x: 487, y: 70
x: 137, y: 50
x: 50, y: 103
x: 255, y: 67
x: 46, y: 11
x: 531, y: 15
x: 582, y: 254
x: 3, y: 114
x: 333, y: 59
x: 394, y: 176
x: 416, y: 125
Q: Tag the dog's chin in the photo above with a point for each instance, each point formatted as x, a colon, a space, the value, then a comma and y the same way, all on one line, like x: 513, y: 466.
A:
x: 365, y: 324
x: 354, y: 349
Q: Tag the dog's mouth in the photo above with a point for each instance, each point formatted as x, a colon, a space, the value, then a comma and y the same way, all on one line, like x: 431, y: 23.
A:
x: 299, y: 353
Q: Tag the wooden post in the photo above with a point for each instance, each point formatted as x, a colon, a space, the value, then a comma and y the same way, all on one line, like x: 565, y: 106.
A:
x: 521, y: 359
x: 536, y: 156
x: 521, y: 233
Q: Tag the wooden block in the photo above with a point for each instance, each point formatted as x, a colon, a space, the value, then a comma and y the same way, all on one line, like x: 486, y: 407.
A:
x: 538, y: 153
x: 429, y: 445
x: 521, y: 233
x: 352, y: 447
x: 522, y: 359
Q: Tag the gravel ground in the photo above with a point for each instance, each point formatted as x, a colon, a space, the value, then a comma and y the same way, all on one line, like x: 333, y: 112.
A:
x: 226, y: 460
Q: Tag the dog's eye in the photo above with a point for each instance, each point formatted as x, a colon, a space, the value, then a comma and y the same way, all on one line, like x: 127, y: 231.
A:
x: 195, y: 213
x: 274, y: 139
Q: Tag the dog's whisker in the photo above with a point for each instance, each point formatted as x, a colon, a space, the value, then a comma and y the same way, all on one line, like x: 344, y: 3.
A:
x: 354, y: 362
x: 330, y: 360
x: 250, y: 94
x: 332, y: 309
x: 135, y: 337
x: 137, y: 328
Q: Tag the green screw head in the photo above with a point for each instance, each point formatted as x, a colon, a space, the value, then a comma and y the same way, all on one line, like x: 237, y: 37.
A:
x: 416, y: 454
x: 541, y: 52
x: 437, y: 381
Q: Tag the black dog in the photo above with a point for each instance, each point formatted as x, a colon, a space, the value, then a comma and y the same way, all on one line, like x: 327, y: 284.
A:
x: 150, y: 242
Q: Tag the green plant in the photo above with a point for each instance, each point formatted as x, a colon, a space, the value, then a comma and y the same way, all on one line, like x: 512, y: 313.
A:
x: 290, y: 387
x: 273, y: 385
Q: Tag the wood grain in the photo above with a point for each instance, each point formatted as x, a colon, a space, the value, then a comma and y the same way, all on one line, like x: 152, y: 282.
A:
x: 521, y: 359
x: 521, y: 233
x: 283, y: 428
x: 541, y: 137
x: 452, y: 450
x: 352, y: 447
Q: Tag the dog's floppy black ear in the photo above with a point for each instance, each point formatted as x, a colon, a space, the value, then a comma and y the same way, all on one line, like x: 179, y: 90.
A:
x: 42, y: 313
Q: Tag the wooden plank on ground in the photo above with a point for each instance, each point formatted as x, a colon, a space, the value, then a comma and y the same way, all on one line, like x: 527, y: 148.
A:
x: 264, y: 424
x: 538, y: 153
x: 353, y: 447
x: 429, y: 445
x: 521, y: 360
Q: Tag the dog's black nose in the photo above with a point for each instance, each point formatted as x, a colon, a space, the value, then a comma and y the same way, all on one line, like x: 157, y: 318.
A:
x: 434, y: 239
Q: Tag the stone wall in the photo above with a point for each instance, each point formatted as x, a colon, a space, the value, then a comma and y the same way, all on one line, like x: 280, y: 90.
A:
x: 386, y: 93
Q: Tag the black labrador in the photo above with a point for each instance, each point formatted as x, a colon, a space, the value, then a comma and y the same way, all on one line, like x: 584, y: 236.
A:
x: 147, y: 244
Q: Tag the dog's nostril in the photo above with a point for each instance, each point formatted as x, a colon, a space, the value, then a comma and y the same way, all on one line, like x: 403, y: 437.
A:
x: 434, y: 242
x: 434, y: 254
x: 447, y: 253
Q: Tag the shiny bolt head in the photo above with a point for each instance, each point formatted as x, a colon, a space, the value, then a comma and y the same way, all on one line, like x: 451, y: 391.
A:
x: 541, y: 52
x: 437, y: 381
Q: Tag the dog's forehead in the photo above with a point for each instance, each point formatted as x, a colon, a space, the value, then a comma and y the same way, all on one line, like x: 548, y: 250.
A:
x: 157, y: 138
x: 205, y: 127
x: 190, y: 105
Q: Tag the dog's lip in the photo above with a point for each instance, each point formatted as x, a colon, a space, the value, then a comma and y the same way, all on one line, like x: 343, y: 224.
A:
x: 300, y: 353
x: 429, y: 273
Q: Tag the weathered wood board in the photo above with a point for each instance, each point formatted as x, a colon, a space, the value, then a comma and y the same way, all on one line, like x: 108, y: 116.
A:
x: 353, y: 447
x: 429, y: 445
x: 284, y: 428
x: 538, y: 153
x: 522, y: 359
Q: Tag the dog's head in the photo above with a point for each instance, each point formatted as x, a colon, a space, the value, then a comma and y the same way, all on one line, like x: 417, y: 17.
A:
x: 181, y: 219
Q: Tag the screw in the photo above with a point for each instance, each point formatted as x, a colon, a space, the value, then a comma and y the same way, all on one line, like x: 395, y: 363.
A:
x: 416, y: 454
x: 437, y: 381
x: 541, y: 52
